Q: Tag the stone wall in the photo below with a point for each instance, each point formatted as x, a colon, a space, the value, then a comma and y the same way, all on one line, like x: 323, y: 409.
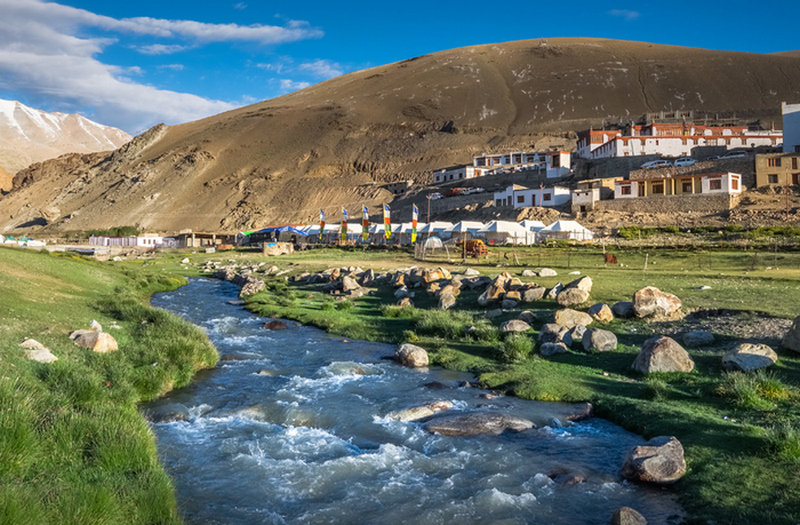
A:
x: 706, y: 203
x: 744, y: 166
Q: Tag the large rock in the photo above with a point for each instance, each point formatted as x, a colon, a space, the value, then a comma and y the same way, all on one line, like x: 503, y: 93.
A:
x: 554, y: 291
x: 652, y: 301
x: 622, y: 309
x: 401, y: 292
x: 747, y: 357
x: 514, y: 325
x: 100, y: 342
x: 547, y: 272
x: 662, y: 354
x: 698, y: 338
x: 420, y: 412
x: 791, y: 340
x: 469, y: 272
x: 569, y: 318
x: 36, y: 351
x: 548, y: 349
x: 527, y: 316
x: 627, y: 516
x: 659, y: 461
x: 533, y: 294
x: 476, y: 423
x: 508, y: 304
x: 572, y: 297
x: 552, y: 333
x: 528, y: 273
x: 367, y: 278
x: 452, y: 289
x: 601, y: 312
x: 405, y: 301
x: 412, y: 356
x: 446, y: 301
x: 582, y: 283
x: 513, y: 295
x: 574, y: 335
x: 349, y: 284
x: 599, y: 340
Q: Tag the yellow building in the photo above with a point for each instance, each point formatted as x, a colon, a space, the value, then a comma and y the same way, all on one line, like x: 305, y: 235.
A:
x: 777, y: 169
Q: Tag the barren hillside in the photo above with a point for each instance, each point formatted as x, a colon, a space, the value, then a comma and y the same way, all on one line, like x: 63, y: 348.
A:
x: 334, y: 143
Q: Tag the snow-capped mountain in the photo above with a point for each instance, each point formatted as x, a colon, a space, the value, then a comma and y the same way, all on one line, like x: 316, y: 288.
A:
x: 30, y: 135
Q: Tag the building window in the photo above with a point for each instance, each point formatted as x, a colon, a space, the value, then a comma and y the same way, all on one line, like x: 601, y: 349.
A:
x: 547, y: 197
x: 774, y: 163
x: 686, y: 186
x: 520, y: 199
x: 794, y: 163
x: 795, y: 178
x: 772, y: 179
x: 658, y: 188
x: 715, y: 184
x: 625, y: 190
x: 498, y: 203
x: 735, y: 183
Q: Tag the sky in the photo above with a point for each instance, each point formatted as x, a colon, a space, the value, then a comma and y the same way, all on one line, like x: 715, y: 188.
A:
x: 134, y: 64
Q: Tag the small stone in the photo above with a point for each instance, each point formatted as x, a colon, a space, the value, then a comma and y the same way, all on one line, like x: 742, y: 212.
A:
x: 622, y: 309
x: 514, y: 325
x: 491, y: 314
x: 548, y: 349
x: 527, y: 316
x: 547, y: 272
x: 528, y: 273
x: 275, y: 325
x: 508, y: 304
x: 36, y: 351
x: 96, y: 326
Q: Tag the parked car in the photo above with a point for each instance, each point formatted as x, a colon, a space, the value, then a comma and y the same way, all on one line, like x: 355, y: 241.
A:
x: 434, y: 196
x: 734, y: 155
x: 684, y: 161
x: 655, y: 164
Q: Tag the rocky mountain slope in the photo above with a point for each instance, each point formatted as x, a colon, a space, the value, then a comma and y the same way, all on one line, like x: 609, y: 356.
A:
x: 335, y: 143
x: 30, y: 135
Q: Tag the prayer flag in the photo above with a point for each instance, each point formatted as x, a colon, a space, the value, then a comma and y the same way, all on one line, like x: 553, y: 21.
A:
x: 344, y: 225
x: 414, y: 214
x: 321, y: 221
x: 365, y: 224
x: 387, y: 221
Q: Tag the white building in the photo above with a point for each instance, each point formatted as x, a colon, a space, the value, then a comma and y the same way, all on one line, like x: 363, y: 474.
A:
x: 671, y: 140
x: 791, y: 127
x: 450, y: 174
x: 147, y: 240
x: 709, y: 183
x: 521, y: 197
x: 555, y: 163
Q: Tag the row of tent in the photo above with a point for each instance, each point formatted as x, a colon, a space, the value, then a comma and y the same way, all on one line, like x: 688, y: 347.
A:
x: 494, y: 232
x: 23, y: 241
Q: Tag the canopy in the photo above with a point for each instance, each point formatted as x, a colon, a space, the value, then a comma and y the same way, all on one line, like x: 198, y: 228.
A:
x: 281, y: 229
x: 503, y: 227
x: 435, y: 227
x: 533, y: 226
x: 567, y: 230
x: 465, y: 227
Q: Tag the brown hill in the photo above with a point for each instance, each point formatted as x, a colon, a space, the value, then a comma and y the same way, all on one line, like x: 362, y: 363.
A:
x: 6, y: 180
x: 334, y: 143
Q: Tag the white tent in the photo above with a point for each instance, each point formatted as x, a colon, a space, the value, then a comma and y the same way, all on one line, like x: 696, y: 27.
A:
x: 435, y: 228
x: 533, y: 226
x: 506, y: 232
x: 566, y: 230
x: 464, y: 229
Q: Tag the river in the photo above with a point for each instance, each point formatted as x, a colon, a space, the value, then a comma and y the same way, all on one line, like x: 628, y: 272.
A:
x: 291, y: 427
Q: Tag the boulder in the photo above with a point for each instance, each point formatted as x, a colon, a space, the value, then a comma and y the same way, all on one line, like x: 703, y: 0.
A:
x: 36, y: 351
x: 698, y: 338
x: 599, y: 340
x: 434, y: 288
x: 96, y: 326
x: 349, y: 284
x: 446, y: 301
x: 367, y: 278
x: 662, y: 354
x: 791, y: 340
x: 514, y: 325
x: 252, y: 285
x: 412, y: 356
x: 453, y: 290
x: 469, y: 272
x: 528, y: 273
x: 747, y: 357
x: 660, y: 460
x: 476, y: 423
x: 429, y: 276
x: 552, y: 333
x: 167, y: 413
x: 572, y: 297
x: 100, y: 342
x: 527, y: 316
x: 622, y: 309
x: 399, y: 280
x: 574, y: 335
x: 420, y: 412
x: 513, y: 295
x: 601, y: 312
x: 569, y: 318
x: 584, y: 283
x: 533, y: 294
x: 508, y: 304
x: 476, y: 282
x: 405, y: 301
x: 275, y: 325
x: 554, y: 291
x: 652, y: 301
x: 547, y: 272
x: 401, y: 292
x: 627, y: 516
x: 548, y: 349
x: 566, y: 477
x: 491, y: 314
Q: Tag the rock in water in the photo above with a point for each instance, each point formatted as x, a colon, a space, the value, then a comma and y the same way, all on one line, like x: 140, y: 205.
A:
x: 275, y: 325
x: 660, y: 460
x: 412, y: 356
x: 415, y: 413
x: 662, y: 354
x: 627, y: 516
x: 746, y: 357
x: 476, y: 423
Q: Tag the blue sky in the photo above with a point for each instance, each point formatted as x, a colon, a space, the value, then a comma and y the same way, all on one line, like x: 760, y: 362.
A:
x: 135, y: 64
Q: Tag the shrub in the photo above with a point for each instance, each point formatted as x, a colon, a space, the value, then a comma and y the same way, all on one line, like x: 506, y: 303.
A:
x: 448, y: 324
x: 396, y: 312
x: 329, y: 304
x: 670, y: 229
x: 486, y: 332
x: 409, y: 336
x: 784, y: 440
x: 345, y: 305
x: 516, y: 347
x: 733, y: 228
x: 750, y: 390
x: 657, y: 388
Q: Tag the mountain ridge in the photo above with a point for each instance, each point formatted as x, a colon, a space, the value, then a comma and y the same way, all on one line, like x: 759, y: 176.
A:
x: 338, y: 141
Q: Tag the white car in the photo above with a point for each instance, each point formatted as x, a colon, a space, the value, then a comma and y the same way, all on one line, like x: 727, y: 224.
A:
x: 655, y: 164
x: 434, y: 196
x: 684, y: 161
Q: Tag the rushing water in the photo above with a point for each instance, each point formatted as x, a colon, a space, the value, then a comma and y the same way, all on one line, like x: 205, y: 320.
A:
x: 292, y: 429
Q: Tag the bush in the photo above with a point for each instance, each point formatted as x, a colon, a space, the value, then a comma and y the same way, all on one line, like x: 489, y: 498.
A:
x: 410, y: 337
x: 670, y: 229
x: 657, y: 389
x: 733, y: 228
x: 784, y: 440
x: 345, y: 305
x: 516, y: 347
x: 396, y: 312
x: 758, y: 390
x: 448, y: 324
x: 328, y: 305
x: 486, y: 332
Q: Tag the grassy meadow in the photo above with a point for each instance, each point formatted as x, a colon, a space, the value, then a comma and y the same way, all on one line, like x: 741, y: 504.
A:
x: 73, y: 447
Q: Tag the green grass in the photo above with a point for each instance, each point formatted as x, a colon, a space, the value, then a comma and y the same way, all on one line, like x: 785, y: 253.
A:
x: 73, y: 447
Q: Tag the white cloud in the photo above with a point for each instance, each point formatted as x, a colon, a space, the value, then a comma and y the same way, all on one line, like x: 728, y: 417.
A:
x: 288, y: 85
x: 322, y: 68
x: 625, y: 13
x: 161, y: 49
x: 46, y: 57
x: 240, y: 6
x: 174, y: 67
